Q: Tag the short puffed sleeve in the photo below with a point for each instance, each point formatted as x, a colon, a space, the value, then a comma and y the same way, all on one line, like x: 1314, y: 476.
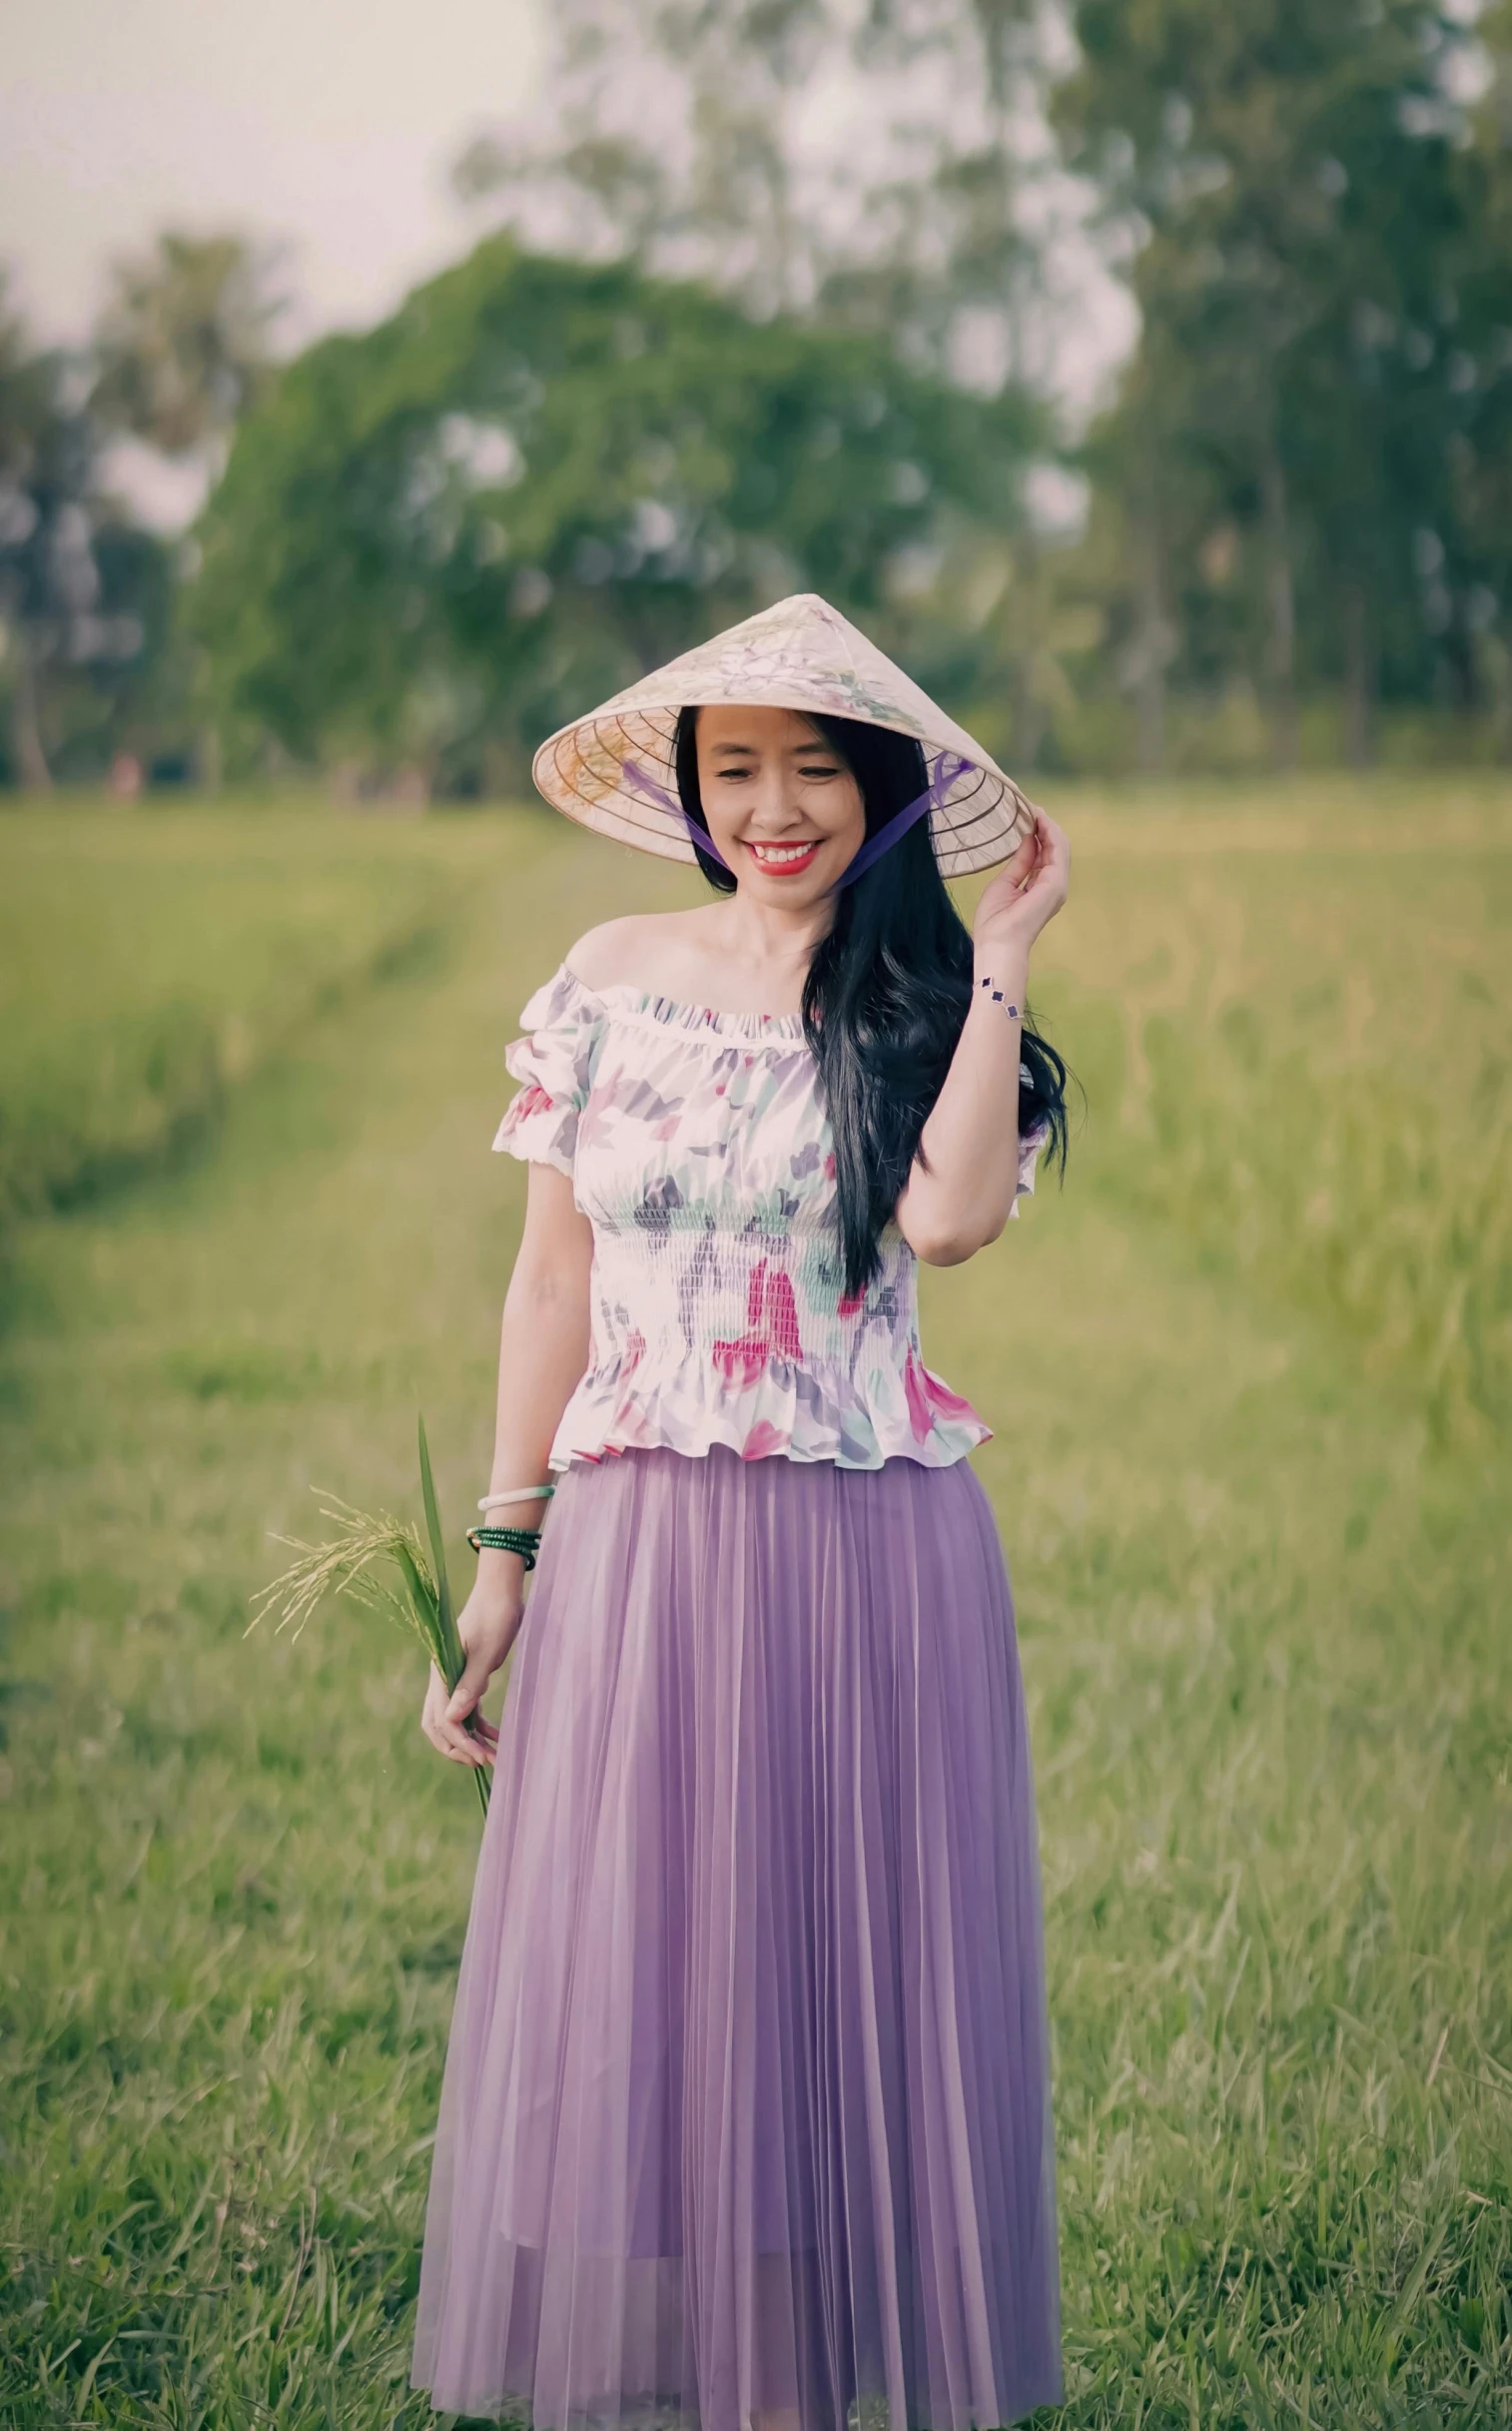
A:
x: 553, y: 1061
x: 1030, y: 1145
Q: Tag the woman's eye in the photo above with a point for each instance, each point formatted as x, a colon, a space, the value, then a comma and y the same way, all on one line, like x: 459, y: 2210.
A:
x: 819, y: 772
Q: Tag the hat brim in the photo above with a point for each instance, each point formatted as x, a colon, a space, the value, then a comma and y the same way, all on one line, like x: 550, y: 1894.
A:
x: 980, y: 820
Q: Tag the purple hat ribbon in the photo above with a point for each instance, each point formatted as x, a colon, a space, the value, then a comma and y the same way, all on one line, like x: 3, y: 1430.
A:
x: 647, y: 787
x: 948, y: 768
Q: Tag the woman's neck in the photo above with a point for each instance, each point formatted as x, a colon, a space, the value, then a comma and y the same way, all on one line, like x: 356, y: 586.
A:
x: 762, y: 939
x: 731, y: 956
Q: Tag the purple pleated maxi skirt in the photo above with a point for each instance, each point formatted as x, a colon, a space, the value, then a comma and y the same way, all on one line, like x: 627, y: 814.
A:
x: 746, y: 2103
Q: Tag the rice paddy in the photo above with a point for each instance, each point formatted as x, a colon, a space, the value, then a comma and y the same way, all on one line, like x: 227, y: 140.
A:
x: 1251, y: 1372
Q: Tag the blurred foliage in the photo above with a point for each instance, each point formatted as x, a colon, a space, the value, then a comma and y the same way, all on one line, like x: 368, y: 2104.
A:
x: 88, y: 663
x: 783, y: 302
x: 544, y: 477
x: 1300, y: 515
x: 1306, y: 467
x: 863, y: 164
x: 181, y: 345
x: 83, y: 593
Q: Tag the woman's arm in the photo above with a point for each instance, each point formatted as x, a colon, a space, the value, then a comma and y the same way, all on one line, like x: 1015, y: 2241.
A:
x: 963, y: 1185
x: 543, y: 1350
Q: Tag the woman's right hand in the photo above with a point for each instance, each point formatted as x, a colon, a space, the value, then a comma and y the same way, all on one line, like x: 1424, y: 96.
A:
x: 487, y: 1626
x: 1019, y: 900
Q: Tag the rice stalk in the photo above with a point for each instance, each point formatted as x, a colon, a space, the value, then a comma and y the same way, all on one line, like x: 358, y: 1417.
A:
x: 380, y: 1563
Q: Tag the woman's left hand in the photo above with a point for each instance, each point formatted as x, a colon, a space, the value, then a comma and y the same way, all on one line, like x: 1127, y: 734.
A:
x: 1019, y: 900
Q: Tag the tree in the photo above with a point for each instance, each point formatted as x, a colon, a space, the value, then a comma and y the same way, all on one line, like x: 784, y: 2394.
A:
x: 26, y: 407
x: 542, y: 477
x: 181, y: 345
x: 885, y: 168
x: 82, y: 597
x: 1476, y: 575
x: 866, y: 163
x: 1305, y: 236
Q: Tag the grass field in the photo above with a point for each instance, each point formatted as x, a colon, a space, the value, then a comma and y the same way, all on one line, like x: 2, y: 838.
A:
x: 1250, y: 1373
x: 147, y: 966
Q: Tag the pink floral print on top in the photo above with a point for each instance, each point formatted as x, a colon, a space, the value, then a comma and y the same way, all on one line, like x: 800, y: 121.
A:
x: 698, y: 1148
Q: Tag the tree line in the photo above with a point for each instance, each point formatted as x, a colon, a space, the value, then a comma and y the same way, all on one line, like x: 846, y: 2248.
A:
x: 779, y: 303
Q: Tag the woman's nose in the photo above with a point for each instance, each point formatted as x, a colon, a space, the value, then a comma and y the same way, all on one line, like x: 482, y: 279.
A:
x: 776, y: 806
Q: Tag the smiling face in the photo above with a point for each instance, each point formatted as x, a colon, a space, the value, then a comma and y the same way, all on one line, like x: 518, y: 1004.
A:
x: 781, y: 803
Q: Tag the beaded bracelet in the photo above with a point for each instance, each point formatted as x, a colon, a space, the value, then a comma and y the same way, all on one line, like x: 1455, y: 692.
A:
x: 1013, y: 1011
x: 524, y: 1541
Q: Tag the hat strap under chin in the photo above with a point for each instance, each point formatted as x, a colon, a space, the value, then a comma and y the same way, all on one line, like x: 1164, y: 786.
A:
x: 948, y: 768
x: 648, y: 789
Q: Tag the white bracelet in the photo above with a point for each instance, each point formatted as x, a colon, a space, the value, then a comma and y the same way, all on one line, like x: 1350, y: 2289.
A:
x: 516, y: 1493
x: 998, y: 997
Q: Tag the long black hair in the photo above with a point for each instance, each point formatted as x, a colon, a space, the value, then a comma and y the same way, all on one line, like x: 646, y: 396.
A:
x: 887, y: 992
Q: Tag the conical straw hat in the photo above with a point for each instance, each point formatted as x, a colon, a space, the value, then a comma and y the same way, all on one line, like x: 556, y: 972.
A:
x: 615, y: 770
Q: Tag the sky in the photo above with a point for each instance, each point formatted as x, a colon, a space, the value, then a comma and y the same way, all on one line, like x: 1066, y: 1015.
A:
x: 328, y: 126
x: 332, y: 124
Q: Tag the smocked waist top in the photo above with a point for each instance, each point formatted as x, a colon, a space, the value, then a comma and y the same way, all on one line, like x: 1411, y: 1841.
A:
x: 699, y: 1150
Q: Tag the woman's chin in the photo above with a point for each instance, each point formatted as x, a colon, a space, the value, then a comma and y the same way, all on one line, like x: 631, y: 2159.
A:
x: 784, y: 894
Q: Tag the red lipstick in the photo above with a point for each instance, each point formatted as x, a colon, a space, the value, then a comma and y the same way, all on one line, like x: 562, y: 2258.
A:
x: 786, y: 868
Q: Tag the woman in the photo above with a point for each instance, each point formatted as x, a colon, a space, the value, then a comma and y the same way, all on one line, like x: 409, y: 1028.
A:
x: 745, y: 2119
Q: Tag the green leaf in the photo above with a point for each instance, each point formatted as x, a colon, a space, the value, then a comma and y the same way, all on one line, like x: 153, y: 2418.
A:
x: 423, y: 1605
x: 451, y: 1669
x: 450, y: 1661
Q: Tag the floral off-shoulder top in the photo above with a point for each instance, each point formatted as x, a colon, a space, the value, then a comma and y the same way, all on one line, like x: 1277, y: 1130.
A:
x: 698, y: 1148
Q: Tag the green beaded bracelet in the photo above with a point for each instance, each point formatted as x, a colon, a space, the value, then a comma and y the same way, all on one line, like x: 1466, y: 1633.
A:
x: 524, y: 1541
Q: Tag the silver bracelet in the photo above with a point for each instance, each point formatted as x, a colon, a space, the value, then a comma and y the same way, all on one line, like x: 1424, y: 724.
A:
x: 516, y: 1493
x: 998, y: 997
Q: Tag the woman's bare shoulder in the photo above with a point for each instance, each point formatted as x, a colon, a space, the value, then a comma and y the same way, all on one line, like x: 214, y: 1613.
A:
x: 635, y: 951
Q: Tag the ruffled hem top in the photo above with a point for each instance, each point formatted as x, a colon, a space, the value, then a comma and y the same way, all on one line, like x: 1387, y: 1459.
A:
x: 698, y: 1146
